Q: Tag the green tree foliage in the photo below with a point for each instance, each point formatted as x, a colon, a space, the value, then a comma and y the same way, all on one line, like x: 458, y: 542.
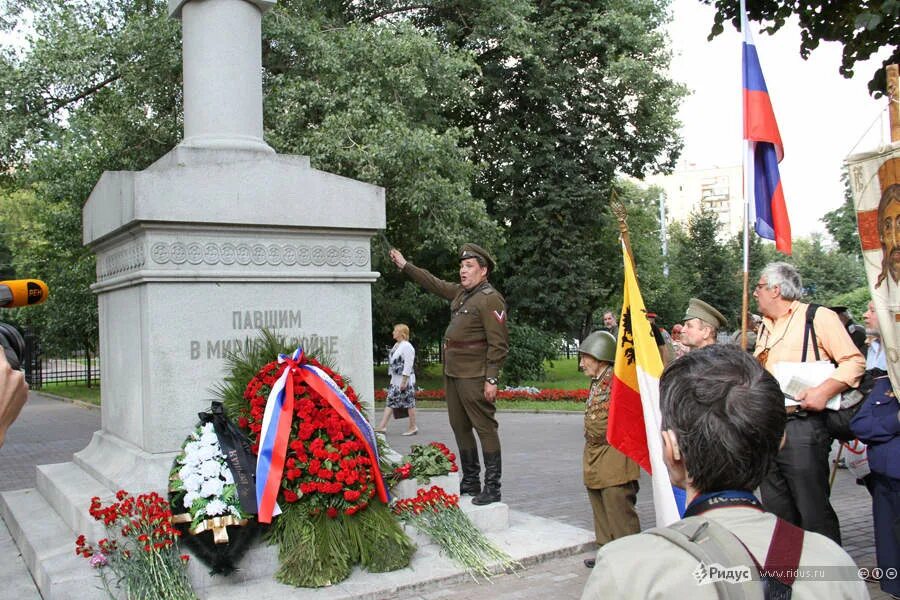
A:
x: 706, y: 266
x: 826, y: 273
x: 567, y: 94
x: 841, y: 223
x: 662, y: 293
x: 98, y: 88
x: 529, y: 348
x: 863, y: 28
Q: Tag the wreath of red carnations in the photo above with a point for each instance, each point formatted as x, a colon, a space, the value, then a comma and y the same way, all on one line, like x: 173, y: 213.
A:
x: 326, y: 465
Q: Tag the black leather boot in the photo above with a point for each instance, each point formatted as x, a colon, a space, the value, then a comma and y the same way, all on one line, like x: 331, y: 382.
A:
x: 471, y: 469
x: 492, y: 472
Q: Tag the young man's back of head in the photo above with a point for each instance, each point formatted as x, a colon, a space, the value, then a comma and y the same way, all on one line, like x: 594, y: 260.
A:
x: 727, y: 415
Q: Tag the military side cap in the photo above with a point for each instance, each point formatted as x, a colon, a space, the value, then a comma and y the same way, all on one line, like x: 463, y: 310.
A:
x: 698, y: 309
x: 476, y: 251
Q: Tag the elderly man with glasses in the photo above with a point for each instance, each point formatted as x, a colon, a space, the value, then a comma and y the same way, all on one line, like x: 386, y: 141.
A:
x: 796, y: 486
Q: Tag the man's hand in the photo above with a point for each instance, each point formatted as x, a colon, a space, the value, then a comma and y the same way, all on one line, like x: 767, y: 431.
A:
x: 813, y: 399
x: 397, y: 257
x: 13, y: 394
x: 490, y: 392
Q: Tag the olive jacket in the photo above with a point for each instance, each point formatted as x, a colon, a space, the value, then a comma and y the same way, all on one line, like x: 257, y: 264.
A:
x: 477, y: 339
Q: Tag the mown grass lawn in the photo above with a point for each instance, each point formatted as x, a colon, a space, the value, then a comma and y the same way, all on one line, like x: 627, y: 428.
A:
x: 75, y: 391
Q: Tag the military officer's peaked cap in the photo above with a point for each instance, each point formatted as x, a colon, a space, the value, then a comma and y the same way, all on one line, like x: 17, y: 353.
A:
x: 476, y: 251
x: 698, y: 309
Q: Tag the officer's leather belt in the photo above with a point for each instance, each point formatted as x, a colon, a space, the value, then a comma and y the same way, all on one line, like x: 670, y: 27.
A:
x: 465, y: 345
x: 596, y: 440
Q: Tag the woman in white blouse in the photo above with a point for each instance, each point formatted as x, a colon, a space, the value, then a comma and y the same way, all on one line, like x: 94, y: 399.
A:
x: 402, y: 389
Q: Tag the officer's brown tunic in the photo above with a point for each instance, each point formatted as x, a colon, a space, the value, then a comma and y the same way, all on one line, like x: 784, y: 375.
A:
x: 475, y: 345
x: 610, y: 476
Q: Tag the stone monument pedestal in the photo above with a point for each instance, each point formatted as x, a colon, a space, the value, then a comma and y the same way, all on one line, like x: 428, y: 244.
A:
x: 195, y: 255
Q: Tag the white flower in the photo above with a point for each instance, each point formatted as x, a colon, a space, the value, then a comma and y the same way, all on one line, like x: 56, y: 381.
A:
x: 189, y: 499
x: 234, y: 511
x: 226, y: 474
x: 193, y: 482
x: 209, y: 438
x: 210, y: 469
x: 212, y: 488
x: 185, y: 472
x: 216, y: 507
x: 205, y: 453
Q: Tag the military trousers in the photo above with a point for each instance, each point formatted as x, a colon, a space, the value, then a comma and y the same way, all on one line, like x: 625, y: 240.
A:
x: 796, y: 485
x: 468, y: 411
x: 614, y: 512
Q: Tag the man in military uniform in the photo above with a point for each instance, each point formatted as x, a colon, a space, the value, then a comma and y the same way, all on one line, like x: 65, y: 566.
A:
x: 475, y: 345
x: 701, y: 324
x: 611, y: 478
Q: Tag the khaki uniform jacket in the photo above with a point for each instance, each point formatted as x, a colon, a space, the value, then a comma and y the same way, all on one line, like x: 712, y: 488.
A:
x: 649, y: 566
x: 604, y: 466
x: 477, y: 340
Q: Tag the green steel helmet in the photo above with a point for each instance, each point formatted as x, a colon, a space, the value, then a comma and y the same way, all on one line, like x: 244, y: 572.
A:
x: 601, y: 345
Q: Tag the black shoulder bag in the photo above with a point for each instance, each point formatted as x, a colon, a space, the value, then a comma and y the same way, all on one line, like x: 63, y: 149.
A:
x: 837, y: 422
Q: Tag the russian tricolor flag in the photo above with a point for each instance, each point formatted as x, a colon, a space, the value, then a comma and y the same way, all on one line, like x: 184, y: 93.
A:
x: 764, y: 151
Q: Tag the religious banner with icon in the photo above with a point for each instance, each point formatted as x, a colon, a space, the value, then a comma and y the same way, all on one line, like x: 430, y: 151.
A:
x: 875, y: 180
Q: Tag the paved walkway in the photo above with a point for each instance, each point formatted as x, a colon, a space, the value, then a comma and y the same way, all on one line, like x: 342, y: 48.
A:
x: 541, y: 475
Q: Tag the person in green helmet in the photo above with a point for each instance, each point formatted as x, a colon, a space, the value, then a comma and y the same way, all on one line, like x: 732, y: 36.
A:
x: 611, y: 478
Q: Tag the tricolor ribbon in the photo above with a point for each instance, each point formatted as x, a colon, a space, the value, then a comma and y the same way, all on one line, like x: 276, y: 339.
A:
x: 276, y: 429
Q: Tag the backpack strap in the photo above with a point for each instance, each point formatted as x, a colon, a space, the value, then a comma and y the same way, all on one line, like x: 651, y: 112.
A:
x: 710, y: 543
x: 782, y: 559
x: 810, y: 331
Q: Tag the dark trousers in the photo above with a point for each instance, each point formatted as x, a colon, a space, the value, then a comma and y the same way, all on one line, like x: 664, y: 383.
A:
x: 468, y: 410
x: 886, y: 521
x: 796, y: 486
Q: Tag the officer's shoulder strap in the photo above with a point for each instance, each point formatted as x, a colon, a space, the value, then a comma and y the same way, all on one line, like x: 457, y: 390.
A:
x: 712, y: 544
x: 488, y: 289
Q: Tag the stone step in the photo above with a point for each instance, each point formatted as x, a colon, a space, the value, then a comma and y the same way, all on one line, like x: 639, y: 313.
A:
x: 48, y: 550
x: 47, y: 545
x: 487, y: 518
x: 69, y: 489
x: 528, y: 539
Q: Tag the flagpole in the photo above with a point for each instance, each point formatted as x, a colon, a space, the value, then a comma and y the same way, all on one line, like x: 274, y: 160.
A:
x: 621, y: 216
x: 745, y: 299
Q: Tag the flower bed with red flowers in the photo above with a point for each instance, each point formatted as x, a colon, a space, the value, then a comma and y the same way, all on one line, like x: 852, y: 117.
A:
x: 542, y: 396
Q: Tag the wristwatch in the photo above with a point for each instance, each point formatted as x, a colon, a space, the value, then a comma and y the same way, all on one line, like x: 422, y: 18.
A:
x: 492, y: 380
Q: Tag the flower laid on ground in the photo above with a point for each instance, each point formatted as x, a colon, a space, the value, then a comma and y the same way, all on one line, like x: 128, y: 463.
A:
x: 508, y: 394
x: 437, y: 514
x: 141, y: 549
x: 424, y: 462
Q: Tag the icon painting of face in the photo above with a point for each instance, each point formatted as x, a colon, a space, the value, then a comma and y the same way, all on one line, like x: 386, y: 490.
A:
x: 889, y: 233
